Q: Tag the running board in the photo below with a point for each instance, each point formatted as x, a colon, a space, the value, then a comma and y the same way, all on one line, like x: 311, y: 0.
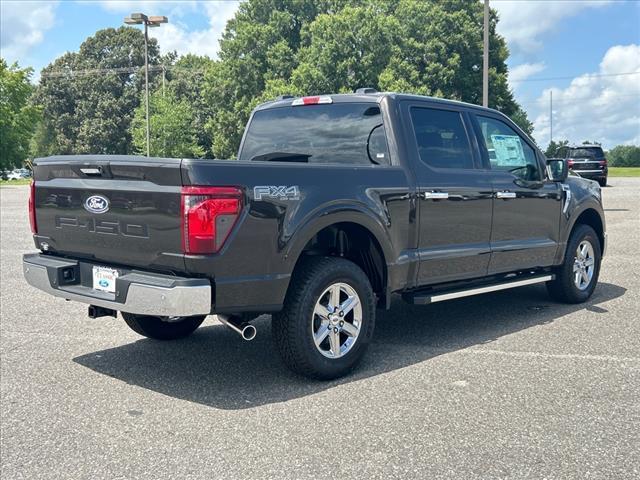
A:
x: 422, y: 298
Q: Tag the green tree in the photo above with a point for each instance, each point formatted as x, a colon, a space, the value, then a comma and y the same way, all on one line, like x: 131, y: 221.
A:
x: 308, y: 47
x: 554, y: 150
x: 257, y: 47
x: 91, y: 112
x: 18, y: 117
x: 172, y: 130
x: 185, y: 79
x: 624, y: 156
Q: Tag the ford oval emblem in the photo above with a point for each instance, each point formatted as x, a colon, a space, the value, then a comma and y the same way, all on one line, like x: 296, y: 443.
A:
x: 96, y: 204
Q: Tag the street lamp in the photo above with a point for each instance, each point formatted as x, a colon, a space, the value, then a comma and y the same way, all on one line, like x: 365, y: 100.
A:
x: 485, y: 56
x: 147, y: 21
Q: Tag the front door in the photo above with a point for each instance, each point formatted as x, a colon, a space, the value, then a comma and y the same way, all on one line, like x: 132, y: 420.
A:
x: 454, y: 196
x: 527, y: 206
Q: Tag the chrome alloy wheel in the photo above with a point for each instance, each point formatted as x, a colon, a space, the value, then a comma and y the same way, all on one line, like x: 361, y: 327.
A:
x: 336, y: 320
x: 583, y: 265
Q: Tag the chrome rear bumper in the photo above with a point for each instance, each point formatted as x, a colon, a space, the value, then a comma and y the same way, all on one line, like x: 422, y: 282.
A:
x: 136, y: 292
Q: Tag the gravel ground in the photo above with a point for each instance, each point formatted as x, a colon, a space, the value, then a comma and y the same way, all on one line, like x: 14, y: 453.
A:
x: 505, y: 385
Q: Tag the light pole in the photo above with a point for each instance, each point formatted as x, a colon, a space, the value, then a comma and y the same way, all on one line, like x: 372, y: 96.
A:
x: 485, y: 57
x: 147, y: 21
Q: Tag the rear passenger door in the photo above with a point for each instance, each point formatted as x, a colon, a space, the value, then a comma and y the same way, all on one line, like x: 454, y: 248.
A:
x: 527, y: 206
x: 454, y: 194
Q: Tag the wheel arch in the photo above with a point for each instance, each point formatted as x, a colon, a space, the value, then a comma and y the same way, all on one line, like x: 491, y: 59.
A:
x: 354, y: 235
x: 590, y: 216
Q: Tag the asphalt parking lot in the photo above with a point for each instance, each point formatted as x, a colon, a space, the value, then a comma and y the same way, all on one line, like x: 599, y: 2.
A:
x: 505, y: 385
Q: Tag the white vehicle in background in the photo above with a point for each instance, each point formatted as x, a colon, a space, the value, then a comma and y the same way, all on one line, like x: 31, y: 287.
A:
x: 18, y: 174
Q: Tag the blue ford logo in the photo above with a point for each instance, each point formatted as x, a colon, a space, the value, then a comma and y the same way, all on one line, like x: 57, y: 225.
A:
x: 96, y: 204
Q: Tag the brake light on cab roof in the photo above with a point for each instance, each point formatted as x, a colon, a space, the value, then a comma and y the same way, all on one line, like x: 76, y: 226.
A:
x: 315, y: 100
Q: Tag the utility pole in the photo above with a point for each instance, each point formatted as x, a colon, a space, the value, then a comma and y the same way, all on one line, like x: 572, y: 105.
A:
x: 151, y: 21
x: 146, y: 83
x: 485, y: 57
x: 163, y: 79
x: 550, y: 116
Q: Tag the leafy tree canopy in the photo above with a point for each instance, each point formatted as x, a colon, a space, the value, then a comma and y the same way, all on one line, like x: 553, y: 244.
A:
x: 555, y: 149
x: 624, y: 156
x: 92, y: 112
x: 306, y: 47
x: 172, y: 132
x: 185, y: 80
x: 18, y: 117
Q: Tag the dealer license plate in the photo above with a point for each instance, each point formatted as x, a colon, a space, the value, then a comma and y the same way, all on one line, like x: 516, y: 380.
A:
x: 104, y: 279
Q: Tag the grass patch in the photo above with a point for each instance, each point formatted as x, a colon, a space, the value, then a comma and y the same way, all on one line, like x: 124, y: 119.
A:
x: 624, y: 171
x: 9, y: 183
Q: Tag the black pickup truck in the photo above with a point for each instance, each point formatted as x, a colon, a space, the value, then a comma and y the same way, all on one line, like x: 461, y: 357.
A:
x: 335, y: 203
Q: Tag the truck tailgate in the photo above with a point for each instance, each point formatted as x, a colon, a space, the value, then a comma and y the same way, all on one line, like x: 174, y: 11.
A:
x: 116, y: 209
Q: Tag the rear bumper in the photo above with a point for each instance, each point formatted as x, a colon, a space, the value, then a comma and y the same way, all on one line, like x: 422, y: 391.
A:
x: 136, y: 292
x: 597, y: 173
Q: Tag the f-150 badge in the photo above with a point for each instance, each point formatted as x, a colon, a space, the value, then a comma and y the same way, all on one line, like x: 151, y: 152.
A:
x: 282, y: 192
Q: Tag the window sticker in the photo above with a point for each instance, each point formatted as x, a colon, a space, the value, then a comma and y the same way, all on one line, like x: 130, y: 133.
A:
x: 508, y: 150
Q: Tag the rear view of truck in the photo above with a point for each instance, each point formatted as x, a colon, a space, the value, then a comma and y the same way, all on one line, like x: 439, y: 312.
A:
x: 296, y: 228
x: 114, y: 231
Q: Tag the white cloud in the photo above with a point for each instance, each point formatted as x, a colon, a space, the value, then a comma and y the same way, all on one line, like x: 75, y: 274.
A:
x: 598, y: 106
x: 524, y: 24
x: 177, y: 35
x: 22, y: 27
x: 129, y: 6
x: 523, y: 71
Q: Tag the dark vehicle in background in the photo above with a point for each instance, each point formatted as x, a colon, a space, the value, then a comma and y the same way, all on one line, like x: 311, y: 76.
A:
x: 588, y: 161
x: 335, y: 203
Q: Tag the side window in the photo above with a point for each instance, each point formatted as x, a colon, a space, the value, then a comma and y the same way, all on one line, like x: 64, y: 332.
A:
x: 377, y: 146
x: 441, y: 137
x: 507, y: 150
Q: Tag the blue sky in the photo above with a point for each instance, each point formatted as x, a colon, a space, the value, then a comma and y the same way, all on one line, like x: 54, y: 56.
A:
x: 588, y: 43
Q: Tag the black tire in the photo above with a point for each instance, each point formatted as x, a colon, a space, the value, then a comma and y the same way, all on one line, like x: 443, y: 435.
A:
x: 292, y: 328
x: 564, y: 288
x: 602, y: 181
x: 159, y: 329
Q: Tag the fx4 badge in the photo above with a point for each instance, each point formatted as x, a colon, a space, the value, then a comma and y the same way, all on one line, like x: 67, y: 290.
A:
x: 277, y: 192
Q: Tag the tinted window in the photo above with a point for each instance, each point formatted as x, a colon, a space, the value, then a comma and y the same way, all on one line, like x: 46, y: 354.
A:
x: 335, y: 133
x: 507, y: 150
x: 441, y: 137
x: 377, y: 146
x: 585, y: 152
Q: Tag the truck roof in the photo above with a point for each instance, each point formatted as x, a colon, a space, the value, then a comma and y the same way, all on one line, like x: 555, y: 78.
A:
x: 374, y: 97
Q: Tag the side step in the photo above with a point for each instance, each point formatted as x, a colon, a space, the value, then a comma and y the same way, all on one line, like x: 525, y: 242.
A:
x: 424, y: 298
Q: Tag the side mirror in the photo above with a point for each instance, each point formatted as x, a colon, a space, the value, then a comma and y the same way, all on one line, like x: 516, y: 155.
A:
x: 557, y: 169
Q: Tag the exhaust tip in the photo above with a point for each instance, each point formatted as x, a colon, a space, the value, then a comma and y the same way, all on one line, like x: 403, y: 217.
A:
x: 245, y: 330
x: 249, y: 333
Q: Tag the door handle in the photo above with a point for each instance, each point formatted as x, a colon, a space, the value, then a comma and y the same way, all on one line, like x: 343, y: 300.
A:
x: 436, y: 195
x: 506, y: 195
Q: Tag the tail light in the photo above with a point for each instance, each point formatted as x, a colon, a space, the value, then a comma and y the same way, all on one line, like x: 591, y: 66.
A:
x: 208, y: 216
x: 315, y: 100
x: 32, y: 208
x: 570, y: 162
x: 603, y: 162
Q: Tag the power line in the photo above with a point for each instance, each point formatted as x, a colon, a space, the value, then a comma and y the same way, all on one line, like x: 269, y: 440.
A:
x: 575, y: 100
x: 116, y: 70
x: 157, y: 68
x: 541, y: 79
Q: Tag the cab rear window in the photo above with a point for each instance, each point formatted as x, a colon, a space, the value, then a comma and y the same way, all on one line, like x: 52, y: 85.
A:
x: 343, y: 133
